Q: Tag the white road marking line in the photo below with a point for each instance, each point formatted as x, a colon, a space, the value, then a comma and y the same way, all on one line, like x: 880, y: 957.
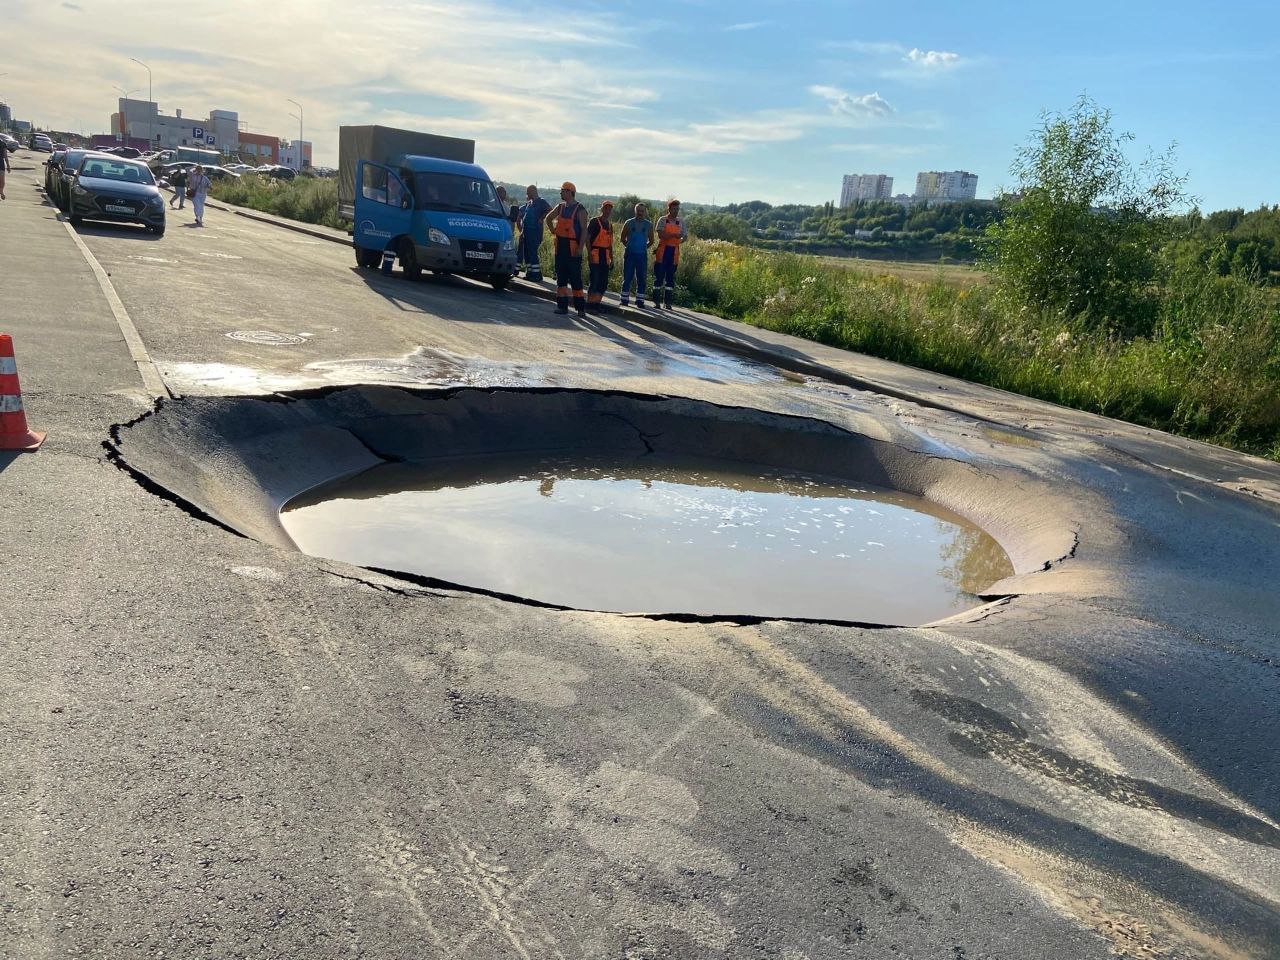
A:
x: 151, y: 378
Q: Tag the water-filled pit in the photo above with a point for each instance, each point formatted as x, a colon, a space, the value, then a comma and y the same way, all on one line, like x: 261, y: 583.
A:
x: 656, y: 534
x: 605, y: 500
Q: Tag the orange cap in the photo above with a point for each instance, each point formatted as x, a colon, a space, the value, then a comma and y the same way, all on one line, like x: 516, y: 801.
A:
x: 673, y: 203
x: 607, y: 203
x: 568, y: 186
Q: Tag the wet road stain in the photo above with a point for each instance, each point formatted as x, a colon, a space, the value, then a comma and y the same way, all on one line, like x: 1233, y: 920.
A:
x: 988, y: 733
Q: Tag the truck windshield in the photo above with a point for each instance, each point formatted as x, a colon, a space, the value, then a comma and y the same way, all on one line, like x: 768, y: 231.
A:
x: 448, y: 191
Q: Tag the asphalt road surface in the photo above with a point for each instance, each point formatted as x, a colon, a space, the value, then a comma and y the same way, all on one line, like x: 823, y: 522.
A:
x: 211, y: 747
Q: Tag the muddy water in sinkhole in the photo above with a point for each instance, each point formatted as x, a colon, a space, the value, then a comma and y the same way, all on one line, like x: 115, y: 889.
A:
x: 657, y: 536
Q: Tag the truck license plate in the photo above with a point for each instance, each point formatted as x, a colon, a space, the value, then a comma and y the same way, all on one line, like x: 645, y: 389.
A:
x: 116, y: 208
x: 479, y: 255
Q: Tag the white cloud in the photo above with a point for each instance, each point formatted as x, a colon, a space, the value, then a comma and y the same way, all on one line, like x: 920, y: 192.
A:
x: 753, y: 25
x: 868, y: 106
x: 932, y: 59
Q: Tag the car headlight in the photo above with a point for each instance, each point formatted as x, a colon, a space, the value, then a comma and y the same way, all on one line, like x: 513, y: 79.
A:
x: 438, y: 236
x: 79, y: 191
x: 155, y: 202
x: 508, y: 245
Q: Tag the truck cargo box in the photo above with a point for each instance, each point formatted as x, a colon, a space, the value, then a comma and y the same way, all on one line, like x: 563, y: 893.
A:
x: 380, y: 144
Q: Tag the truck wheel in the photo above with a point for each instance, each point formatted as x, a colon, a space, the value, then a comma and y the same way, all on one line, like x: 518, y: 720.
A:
x: 409, y: 260
x: 368, y: 257
x: 499, y: 281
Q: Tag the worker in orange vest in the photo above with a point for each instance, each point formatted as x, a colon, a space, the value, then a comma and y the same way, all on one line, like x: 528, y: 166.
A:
x: 568, y: 223
x: 599, y: 254
x: 666, y: 256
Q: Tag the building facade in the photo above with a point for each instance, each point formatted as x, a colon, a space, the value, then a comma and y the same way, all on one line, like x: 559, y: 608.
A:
x: 295, y: 153
x: 865, y: 186
x: 6, y: 115
x: 946, y: 185
x: 143, y: 120
x: 221, y: 130
x: 259, y: 147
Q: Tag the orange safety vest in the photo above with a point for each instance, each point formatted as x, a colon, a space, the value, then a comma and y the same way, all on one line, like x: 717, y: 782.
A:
x: 567, y: 226
x: 668, y: 237
x: 602, y: 245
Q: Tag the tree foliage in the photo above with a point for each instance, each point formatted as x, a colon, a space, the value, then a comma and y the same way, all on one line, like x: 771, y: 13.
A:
x: 1083, y: 233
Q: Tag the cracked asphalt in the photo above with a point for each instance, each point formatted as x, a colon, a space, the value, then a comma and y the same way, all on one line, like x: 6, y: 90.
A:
x: 212, y: 747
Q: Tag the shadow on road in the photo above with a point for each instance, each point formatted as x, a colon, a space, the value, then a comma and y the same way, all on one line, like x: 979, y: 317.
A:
x: 124, y: 231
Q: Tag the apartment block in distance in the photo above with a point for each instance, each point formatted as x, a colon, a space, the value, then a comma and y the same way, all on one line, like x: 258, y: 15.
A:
x: 865, y: 186
x: 946, y: 185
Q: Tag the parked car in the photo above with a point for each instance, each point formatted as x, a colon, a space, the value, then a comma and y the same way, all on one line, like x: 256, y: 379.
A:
x: 169, y: 169
x: 41, y: 142
x: 275, y: 171
x: 51, y: 169
x: 116, y: 189
x: 10, y: 143
x: 66, y: 174
x: 221, y: 173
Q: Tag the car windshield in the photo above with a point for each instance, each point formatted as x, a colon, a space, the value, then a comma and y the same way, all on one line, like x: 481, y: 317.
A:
x: 448, y: 191
x: 106, y: 169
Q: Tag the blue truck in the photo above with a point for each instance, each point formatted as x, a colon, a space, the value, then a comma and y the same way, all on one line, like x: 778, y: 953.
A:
x: 421, y: 199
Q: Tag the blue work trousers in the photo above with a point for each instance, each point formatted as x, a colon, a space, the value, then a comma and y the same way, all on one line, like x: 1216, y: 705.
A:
x: 635, y: 273
x: 530, y: 242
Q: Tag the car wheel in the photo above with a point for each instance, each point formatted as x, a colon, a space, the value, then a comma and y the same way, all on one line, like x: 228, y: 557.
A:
x: 76, y: 219
x: 499, y: 281
x: 409, y: 260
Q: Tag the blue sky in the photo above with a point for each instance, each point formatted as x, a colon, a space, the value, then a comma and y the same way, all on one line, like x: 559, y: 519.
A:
x: 700, y: 98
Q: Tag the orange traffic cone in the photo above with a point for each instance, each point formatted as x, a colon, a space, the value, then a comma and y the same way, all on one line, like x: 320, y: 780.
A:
x: 14, y: 434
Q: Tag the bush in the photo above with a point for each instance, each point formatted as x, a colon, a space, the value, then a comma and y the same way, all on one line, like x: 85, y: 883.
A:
x: 1082, y: 236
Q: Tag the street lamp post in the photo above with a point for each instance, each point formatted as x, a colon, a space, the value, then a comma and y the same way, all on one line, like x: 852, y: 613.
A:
x: 299, y: 106
x: 151, y: 130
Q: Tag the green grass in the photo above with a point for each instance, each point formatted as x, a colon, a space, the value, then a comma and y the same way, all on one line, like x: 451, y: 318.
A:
x: 1210, y: 370
x: 310, y: 200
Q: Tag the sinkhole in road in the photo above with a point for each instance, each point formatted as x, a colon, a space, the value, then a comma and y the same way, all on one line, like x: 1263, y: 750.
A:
x: 657, y: 534
x: 607, y: 500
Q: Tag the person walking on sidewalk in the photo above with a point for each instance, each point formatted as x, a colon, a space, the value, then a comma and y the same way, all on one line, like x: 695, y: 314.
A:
x: 671, y: 233
x: 532, y: 214
x: 179, y: 183
x: 198, y: 186
x: 600, y: 254
x: 568, y: 223
x: 637, y: 238
x: 5, y: 165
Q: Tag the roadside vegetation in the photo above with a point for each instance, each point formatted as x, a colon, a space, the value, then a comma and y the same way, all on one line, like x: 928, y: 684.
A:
x: 308, y: 199
x: 1092, y: 289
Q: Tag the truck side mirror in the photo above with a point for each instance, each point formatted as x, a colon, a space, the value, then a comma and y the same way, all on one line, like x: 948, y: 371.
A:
x: 406, y: 202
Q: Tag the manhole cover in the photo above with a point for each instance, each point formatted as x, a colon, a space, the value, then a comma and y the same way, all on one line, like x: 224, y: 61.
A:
x: 266, y: 336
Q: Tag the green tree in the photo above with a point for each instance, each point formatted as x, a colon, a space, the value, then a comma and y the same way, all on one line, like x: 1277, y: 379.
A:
x: 719, y: 226
x: 1082, y: 234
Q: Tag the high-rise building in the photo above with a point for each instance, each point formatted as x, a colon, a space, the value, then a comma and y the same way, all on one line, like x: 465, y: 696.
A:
x: 946, y: 185
x: 6, y: 115
x: 865, y: 186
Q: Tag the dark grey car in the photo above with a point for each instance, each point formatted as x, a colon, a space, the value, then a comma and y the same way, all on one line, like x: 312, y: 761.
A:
x: 115, y: 189
x: 63, y: 174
